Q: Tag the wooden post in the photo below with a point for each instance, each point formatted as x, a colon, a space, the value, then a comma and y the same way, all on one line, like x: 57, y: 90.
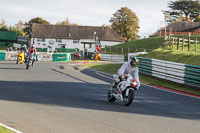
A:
x: 128, y: 50
x: 175, y: 43
x: 172, y: 43
x: 196, y: 44
x: 183, y: 44
x: 110, y: 48
x: 188, y: 43
x: 121, y: 50
x: 116, y: 50
x: 178, y: 43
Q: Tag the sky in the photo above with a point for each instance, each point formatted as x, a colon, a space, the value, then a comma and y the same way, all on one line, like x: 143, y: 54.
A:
x: 84, y: 12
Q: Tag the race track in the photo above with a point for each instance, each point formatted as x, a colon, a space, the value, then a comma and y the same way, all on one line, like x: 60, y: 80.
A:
x: 65, y: 98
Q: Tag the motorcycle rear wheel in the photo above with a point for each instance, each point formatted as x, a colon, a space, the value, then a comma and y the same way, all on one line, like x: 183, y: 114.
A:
x: 128, y: 99
x: 110, y: 97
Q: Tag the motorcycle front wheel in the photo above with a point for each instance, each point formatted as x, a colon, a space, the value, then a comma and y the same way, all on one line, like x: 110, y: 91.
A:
x: 110, y: 97
x: 128, y: 99
x: 27, y: 65
x: 17, y: 61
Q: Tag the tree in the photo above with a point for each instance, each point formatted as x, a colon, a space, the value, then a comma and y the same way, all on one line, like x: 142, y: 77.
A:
x: 19, y: 32
x: 66, y: 22
x: 184, y: 10
x: 20, y: 24
x: 28, y: 26
x: 125, y: 23
x: 197, y: 19
x: 3, y: 26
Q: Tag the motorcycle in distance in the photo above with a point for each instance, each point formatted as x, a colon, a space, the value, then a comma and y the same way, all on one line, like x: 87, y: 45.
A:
x: 20, y: 57
x: 96, y: 56
x: 29, y: 61
x: 76, y: 56
x: 124, y: 90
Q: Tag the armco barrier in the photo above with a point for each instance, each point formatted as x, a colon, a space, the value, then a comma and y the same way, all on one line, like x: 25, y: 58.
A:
x: 62, y: 57
x: 114, y: 58
x: 172, y: 71
x: 2, y: 55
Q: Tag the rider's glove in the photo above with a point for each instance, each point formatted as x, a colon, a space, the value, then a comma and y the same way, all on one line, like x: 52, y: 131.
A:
x: 138, y: 85
x: 118, y: 78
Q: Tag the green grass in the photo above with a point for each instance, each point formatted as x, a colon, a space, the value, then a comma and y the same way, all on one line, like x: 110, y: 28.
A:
x: 175, y: 56
x: 148, y: 44
x: 108, y: 68
x: 144, y: 44
x: 5, y: 130
x: 112, y: 69
x: 156, y: 50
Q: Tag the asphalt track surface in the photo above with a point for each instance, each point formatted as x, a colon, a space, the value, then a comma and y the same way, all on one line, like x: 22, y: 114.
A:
x: 65, y: 98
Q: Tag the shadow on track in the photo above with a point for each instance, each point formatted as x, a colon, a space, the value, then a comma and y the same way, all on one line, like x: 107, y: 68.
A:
x: 91, y: 96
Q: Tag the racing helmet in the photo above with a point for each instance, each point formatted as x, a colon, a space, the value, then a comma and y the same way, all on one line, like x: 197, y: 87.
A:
x: 134, y: 61
x: 33, y: 46
x: 24, y: 46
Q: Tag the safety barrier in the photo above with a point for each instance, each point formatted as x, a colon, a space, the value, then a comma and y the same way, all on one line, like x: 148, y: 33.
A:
x: 114, y: 58
x: 44, y: 57
x: 2, y: 55
x: 172, y: 71
x: 62, y: 57
x: 12, y: 56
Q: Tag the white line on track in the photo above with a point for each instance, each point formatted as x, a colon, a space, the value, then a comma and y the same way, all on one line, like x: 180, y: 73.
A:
x: 10, y: 128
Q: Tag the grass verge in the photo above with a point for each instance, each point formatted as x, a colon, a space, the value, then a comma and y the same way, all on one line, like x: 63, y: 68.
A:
x: 5, y: 130
x: 175, y: 56
x: 112, y: 69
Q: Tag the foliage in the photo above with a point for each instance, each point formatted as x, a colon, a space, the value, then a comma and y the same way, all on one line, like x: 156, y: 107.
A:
x: 66, y: 22
x: 197, y: 19
x: 20, y: 24
x: 125, y: 23
x: 19, y: 31
x: 28, y: 28
x: 184, y: 10
x: 4, y: 28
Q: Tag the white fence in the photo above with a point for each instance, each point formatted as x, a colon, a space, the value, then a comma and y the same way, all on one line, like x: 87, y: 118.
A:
x: 172, y: 71
x: 114, y: 58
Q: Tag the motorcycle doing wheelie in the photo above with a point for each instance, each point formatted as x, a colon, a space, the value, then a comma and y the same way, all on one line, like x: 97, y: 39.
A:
x: 124, y: 90
x: 29, y: 61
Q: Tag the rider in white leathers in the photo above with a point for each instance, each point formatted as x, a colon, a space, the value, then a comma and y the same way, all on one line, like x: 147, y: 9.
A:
x: 128, y: 68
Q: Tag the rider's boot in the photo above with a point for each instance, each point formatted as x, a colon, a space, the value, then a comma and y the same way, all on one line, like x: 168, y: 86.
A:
x: 113, y: 87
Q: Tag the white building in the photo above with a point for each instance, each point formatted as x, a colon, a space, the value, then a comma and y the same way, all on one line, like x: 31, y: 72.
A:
x: 66, y: 36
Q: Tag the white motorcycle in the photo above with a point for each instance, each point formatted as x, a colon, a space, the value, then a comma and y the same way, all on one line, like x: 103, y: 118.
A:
x: 124, y: 90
